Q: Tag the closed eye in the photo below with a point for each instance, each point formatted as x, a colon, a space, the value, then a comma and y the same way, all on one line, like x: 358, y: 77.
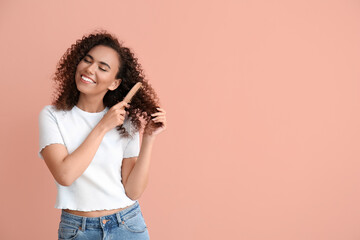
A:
x: 104, y: 70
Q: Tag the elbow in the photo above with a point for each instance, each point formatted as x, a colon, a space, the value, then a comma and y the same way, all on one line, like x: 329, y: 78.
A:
x: 133, y: 195
x: 134, y: 198
x: 64, y: 181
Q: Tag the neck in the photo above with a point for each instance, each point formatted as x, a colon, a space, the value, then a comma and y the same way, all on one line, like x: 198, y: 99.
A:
x: 90, y: 104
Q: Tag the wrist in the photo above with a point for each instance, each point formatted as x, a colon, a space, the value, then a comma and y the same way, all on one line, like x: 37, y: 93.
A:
x: 101, y: 128
x: 147, y: 137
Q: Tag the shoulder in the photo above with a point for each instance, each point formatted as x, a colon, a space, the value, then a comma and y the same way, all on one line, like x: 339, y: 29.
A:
x: 47, y: 109
x: 50, y: 108
x: 50, y: 111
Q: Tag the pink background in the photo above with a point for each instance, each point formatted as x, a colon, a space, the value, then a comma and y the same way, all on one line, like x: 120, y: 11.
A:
x: 262, y: 101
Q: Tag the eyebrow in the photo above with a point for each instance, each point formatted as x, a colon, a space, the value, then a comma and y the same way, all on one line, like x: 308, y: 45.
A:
x: 104, y: 63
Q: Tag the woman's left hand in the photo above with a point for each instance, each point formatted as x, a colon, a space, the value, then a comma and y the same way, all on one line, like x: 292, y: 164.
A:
x: 159, y: 117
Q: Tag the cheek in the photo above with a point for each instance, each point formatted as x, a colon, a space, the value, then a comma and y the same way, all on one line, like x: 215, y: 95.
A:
x: 80, y: 66
x: 104, y: 76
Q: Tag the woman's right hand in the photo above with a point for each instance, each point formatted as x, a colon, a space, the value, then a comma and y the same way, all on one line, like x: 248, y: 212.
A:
x: 115, y: 116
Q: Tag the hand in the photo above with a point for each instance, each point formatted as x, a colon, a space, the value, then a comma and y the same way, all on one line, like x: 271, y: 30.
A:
x: 159, y: 117
x: 115, y: 116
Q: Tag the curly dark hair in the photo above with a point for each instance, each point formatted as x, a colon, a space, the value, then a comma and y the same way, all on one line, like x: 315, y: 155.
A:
x: 143, y: 104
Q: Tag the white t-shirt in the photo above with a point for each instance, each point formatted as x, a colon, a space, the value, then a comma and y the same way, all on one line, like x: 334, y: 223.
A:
x: 100, y: 186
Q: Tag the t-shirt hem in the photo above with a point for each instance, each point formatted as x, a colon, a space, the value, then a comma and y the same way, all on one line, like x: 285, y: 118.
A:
x: 39, y: 152
x: 95, y: 209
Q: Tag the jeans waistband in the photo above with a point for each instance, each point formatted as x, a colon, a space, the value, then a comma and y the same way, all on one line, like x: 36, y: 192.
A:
x: 97, y: 222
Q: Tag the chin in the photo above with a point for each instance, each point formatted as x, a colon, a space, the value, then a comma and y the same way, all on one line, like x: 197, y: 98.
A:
x: 80, y: 88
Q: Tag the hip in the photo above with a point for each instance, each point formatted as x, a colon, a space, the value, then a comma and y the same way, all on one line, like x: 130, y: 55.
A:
x: 97, y: 213
x: 125, y: 224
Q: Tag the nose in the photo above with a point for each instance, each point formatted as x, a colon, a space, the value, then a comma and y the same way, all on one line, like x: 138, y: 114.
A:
x: 91, y: 69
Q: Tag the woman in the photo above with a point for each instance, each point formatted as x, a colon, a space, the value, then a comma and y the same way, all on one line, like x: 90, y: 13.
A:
x: 91, y: 144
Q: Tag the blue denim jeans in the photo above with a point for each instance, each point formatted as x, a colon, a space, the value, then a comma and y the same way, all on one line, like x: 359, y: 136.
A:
x: 126, y: 224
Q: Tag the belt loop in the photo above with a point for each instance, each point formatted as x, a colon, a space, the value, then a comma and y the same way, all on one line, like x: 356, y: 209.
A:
x: 118, y: 217
x: 83, y: 224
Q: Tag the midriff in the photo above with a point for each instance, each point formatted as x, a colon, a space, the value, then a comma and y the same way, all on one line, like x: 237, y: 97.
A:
x: 98, y: 213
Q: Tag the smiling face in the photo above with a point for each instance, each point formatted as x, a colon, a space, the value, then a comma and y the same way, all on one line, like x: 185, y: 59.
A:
x: 96, y: 72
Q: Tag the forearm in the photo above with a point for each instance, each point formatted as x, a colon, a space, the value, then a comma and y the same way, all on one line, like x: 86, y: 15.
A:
x: 77, y: 162
x: 139, y: 176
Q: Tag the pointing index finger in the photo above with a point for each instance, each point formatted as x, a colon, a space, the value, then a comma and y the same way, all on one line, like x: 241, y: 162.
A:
x: 127, y: 99
x: 122, y: 105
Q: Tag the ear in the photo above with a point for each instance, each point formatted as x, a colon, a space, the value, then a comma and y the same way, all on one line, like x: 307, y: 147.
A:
x: 115, y: 84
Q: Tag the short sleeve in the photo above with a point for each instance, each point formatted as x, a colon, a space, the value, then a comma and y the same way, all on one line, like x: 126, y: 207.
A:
x: 49, y: 132
x: 132, y: 149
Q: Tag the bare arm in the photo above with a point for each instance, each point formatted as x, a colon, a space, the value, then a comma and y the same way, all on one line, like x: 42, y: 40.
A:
x: 66, y: 168
x: 135, y: 171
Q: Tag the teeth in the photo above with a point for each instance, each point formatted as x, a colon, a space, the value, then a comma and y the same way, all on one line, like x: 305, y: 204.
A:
x: 87, y: 79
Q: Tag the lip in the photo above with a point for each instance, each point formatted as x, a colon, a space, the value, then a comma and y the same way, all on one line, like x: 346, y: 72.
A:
x: 86, y: 77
